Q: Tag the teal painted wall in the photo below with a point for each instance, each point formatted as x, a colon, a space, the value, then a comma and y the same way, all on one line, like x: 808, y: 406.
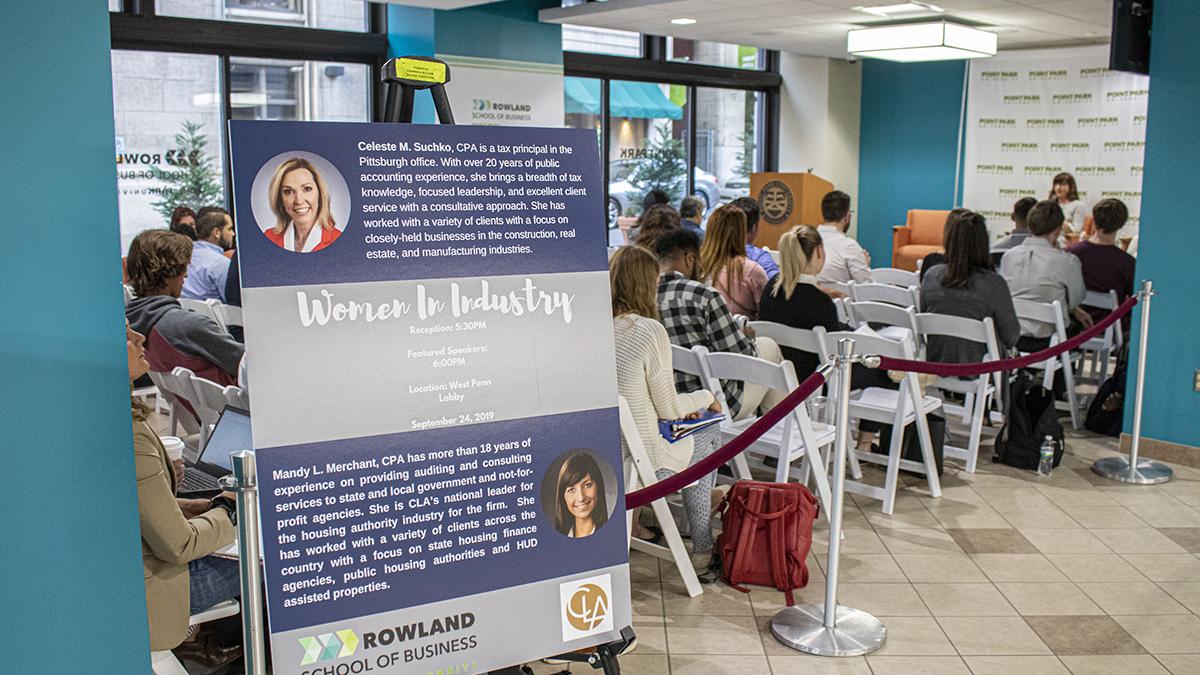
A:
x: 71, y: 598
x: 500, y: 30
x: 1168, y: 255
x: 411, y: 33
x: 907, y: 145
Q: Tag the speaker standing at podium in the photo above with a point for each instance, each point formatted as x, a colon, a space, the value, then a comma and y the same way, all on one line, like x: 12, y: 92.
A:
x: 845, y: 260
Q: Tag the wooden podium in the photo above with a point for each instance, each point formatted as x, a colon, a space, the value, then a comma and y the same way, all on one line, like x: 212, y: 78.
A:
x: 786, y: 200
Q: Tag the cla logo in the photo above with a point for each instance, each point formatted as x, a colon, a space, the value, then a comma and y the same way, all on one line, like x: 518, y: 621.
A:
x: 775, y: 199
x: 328, y: 646
x: 587, y: 607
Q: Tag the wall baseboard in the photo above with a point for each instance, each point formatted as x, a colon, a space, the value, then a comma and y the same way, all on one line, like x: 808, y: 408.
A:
x: 1164, y: 451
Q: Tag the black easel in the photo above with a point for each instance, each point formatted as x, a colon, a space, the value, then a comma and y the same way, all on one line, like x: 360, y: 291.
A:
x: 404, y: 76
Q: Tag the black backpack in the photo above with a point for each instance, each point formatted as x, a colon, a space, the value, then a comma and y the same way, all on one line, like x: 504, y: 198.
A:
x: 1030, y: 418
x: 1106, y: 414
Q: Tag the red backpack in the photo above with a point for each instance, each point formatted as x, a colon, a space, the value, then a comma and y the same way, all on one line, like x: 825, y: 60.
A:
x: 767, y: 531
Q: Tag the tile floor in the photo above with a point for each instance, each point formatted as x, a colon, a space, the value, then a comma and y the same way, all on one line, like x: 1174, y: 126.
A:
x: 1006, y: 573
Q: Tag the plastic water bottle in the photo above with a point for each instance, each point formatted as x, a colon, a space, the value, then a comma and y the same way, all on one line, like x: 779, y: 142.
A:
x: 1046, y: 464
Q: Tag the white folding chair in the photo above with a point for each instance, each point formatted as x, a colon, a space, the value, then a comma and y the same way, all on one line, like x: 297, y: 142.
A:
x: 892, y: 295
x: 202, y: 307
x: 794, y: 437
x: 895, y: 277
x: 1052, y: 314
x: 898, y: 322
x: 901, y: 408
x: 208, y: 400
x: 639, y: 472
x: 978, y: 392
x: 128, y: 292
x: 227, y: 315
x: 164, y: 662
x: 176, y: 391
x: 1100, y: 349
x: 691, y: 361
x: 237, y: 397
x: 844, y: 287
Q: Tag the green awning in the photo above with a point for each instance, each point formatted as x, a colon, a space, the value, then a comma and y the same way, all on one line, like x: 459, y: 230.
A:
x: 627, y: 99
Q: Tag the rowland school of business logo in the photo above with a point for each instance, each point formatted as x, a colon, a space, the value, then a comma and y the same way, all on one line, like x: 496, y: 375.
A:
x: 328, y: 646
x: 586, y: 606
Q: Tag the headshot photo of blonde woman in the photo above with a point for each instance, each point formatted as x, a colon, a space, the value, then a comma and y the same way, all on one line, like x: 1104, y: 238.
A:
x: 301, y: 202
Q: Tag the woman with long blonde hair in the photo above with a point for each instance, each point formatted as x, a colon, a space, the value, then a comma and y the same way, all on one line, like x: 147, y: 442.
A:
x: 723, y: 257
x: 646, y: 379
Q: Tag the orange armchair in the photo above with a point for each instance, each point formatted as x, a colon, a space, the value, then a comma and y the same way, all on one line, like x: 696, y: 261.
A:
x: 921, y: 236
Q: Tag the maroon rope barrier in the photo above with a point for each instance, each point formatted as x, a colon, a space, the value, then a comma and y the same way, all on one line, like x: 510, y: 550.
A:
x: 731, y: 449
x: 972, y: 369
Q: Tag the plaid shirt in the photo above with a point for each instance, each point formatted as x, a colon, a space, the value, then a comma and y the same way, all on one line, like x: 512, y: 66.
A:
x: 696, y: 314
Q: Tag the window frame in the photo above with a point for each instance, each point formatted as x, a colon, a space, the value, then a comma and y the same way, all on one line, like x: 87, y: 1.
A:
x: 137, y: 27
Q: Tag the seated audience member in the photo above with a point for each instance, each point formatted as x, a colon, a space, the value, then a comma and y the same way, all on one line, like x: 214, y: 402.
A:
x: 845, y: 260
x: 1105, y: 266
x: 183, y: 221
x: 696, y: 314
x: 759, y: 255
x: 157, y: 264
x: 656, y: 221
x: 209, y: 267
x: 654, y: 197
x: 1036, y: 270
x: 939, y: 257
x: 645, y: 379
x: 691, y: 210
x: 178, y: 536
x: 1020, y: 231
x: 966, y: 286
x: 723, y: 258
x: 793, y: 298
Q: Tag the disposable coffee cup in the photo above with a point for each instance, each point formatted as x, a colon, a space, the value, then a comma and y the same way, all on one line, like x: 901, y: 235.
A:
x: 174, y: 447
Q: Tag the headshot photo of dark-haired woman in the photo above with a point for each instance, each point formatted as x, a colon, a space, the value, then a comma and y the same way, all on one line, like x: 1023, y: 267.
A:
x: 301, y: 203
x: 580, y: 505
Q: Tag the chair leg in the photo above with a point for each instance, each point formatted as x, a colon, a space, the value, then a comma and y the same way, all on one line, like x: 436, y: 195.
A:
x: 683, y: 562
x: 935, y: 485
x: 1072, y: 398
x: 976, y: 431
x: 893, y: 469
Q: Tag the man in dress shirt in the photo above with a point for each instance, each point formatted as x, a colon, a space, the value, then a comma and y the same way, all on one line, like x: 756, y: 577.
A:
x: 759, y: 255
x: 1020, y: 230
x: 1037, y: 270
x: 845, y: 260
x: 696, y: 314
x: 691, y: 210
x: 209, y: 268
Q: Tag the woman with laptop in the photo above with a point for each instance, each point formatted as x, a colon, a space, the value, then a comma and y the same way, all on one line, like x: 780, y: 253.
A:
x: 177, y: 537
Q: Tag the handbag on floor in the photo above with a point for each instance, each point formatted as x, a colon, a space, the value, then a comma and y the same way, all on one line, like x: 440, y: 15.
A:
x: 1106, y: 414
x: 1029, y: 419
x: 910, y: 445
x: 766, y: 534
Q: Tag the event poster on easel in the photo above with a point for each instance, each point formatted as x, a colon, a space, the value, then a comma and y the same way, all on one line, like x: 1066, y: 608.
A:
x: 429, y: 350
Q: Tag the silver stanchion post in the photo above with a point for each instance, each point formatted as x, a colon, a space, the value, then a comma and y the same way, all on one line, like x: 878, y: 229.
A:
x: 829, y: 629
x: 1134, y: 470
x: 244, y: 482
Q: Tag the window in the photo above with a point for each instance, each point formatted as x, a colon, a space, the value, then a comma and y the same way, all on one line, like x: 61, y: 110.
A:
x: 727, y: 133
x: 601, y: 41
x: 713, y: 53
x: 647, y: 146
x: 348, y: 15
x: 168, y: 127
x: 267, y: 89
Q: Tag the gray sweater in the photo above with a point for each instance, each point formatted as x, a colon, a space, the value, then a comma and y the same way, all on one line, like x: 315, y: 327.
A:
x: 987, y: 296
x: 193, y: 335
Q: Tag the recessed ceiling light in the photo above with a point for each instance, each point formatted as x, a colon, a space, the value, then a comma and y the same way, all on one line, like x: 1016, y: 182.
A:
x: 900, y: 9
x: 683, y: 22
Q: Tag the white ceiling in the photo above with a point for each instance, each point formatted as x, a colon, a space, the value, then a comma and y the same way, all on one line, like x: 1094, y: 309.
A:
x: 818, y: 27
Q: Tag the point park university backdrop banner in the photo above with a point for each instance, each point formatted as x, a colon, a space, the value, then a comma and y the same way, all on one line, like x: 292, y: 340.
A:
x: 433, y: 394
x: 1033, y: 114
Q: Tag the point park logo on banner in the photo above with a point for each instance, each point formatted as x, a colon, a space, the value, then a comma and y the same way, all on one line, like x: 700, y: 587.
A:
x: 328, y: 646
x: 586, y: 607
